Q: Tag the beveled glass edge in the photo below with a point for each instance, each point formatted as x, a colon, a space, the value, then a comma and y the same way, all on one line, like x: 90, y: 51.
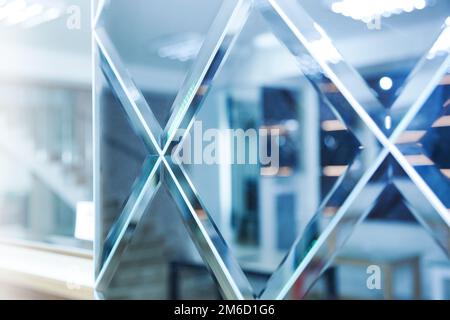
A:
x: 131, y: 97
x: 292, y: 267
x: 96, y: 134
x: 435, y: 178
x: 383, y: 141
x: 349, y: 82
x: 191, y: 116
x: 124, y: 228
x: 417, y: 89
x: 231, y: 18
x: 295, y: 18
x: 128, y: 211
x: 213, y: 249
x: 141, y: 196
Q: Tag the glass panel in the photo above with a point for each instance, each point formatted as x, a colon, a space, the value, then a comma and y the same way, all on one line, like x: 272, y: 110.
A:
x: 287, y: 131
x: 159, y: 45
x: 264, y: 151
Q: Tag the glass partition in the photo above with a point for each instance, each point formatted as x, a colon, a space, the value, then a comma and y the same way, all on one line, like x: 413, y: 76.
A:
x: 271, y: 149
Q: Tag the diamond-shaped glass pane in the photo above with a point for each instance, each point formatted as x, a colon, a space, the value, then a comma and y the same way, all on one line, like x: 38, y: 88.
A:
x: 122, y: 155
x: 157, y: 45
x: 163, y: 271
x: 260, y: 204
x: 297, y: 122
x: 389, y: 255
x: 382, y: 40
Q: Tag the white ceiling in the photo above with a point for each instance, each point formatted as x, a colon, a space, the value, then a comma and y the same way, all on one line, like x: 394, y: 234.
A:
x: 136, y: 26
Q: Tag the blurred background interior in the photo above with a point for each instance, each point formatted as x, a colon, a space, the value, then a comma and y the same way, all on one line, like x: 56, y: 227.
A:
x: 46, y: 211
x: 46, y: 220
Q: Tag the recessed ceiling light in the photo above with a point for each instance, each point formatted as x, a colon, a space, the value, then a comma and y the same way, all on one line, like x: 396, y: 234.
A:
x: 385, y: 83
x: 29, y: 13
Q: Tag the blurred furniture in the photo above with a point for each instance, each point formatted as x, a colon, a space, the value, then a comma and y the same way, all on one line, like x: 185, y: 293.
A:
x: 440, y: 274
x: 389, y: 262
x: 255, y: 266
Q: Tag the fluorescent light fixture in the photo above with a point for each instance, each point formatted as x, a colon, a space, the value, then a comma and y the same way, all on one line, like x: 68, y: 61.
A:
x: 367, y: 10
x: 385, y: 83
x: 182, y: 47
x: 25, y: 14
x: 29, y: 13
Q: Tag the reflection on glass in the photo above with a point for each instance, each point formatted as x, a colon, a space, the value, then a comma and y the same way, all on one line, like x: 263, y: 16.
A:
x: 158, y: 58
x: 306, y: 123
x: 260, y: 208
x: 388, y: 256
x: 46, y: 159
x: 45, y: 124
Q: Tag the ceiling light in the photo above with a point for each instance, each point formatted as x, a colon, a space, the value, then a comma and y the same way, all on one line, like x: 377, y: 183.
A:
x: 12, y: 8
x: 367, y: 10
x: 182, y: 47
x: 24, y: 14
x: 28, y: 13
x: 385, y: 83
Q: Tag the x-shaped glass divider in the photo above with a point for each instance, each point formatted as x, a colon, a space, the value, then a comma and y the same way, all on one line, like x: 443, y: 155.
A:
x: 296, y: 30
